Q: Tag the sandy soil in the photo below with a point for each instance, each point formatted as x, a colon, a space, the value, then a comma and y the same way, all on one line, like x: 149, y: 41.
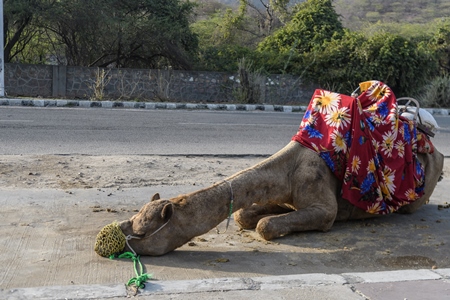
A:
x: 52, y: 241
x: 134, y: 171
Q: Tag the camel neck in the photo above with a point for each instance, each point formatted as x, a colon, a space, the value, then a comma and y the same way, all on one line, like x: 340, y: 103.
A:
x: 206, y: 208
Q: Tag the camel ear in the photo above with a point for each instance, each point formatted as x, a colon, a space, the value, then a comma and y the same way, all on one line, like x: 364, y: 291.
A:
x: 167, y: 211
x: 155, y: 197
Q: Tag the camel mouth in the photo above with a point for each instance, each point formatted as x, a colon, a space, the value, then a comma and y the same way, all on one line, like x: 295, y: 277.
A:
x: 139, y: 236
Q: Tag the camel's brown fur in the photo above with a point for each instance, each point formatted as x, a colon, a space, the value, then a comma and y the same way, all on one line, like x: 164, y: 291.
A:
x: 291, y: 191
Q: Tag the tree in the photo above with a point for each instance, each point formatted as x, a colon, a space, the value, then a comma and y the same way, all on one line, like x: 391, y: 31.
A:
x: 227, y: 33
x: 314, y: 22
x: 225, y: 26
x: 23, y: 40
x: 250, y: 19
x: 440, y: 43
x: 126, y: 33
x: 223, y: 39
x: 267, y: 15
x: 287, y: 50
x: 338, y: 66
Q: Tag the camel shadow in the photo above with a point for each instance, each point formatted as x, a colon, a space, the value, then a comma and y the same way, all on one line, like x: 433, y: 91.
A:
x: 388, y: 243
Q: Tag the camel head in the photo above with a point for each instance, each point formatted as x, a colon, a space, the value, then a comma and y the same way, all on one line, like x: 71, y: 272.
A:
x: 162, y: 225
x: 152, y: 231
x: 149, y: 231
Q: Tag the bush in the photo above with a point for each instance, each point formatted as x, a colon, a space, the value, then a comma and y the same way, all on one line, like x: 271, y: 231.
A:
x: 437, y: 93
x: 402, y: 64
x: 222, y: 58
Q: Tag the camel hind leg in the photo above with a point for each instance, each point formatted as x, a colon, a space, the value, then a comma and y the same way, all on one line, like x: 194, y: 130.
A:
x: 311, y: 194
x: 314, y: 199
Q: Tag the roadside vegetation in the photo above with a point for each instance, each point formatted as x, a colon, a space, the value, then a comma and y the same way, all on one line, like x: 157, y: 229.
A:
x: 335, y: 44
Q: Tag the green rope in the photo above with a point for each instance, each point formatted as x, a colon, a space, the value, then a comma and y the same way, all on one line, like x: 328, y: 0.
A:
x: 141, y: 278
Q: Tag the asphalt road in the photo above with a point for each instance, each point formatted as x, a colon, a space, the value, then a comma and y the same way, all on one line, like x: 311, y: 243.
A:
x: 148, y: 132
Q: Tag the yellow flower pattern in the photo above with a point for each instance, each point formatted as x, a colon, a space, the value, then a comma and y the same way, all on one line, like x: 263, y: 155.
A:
x: 388, y: 143
x: 339, y: 143
x: 356, y: 163
x: 326, y: 101
x: 365, y: 143
x: 338, y: 118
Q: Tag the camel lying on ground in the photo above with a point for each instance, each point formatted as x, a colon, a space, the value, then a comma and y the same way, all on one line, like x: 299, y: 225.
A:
x: 293, y: 190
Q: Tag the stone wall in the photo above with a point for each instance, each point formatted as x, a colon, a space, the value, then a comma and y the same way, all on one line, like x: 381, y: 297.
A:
x: 147, y: 85
x: 28, y: 80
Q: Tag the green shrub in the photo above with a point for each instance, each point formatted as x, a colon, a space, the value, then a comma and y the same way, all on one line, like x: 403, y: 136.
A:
x: 437, y: 93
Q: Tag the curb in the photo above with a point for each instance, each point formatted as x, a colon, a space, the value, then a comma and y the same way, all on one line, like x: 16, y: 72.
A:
x: 269, y: 283
x: 169, y: 106
x: 148, y: 105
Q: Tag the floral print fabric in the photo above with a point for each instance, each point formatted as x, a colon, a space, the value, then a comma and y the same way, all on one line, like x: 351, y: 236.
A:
x: 367, y: 145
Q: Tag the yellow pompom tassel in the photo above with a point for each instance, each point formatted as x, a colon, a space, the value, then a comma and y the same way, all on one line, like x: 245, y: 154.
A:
x: 110, y: 240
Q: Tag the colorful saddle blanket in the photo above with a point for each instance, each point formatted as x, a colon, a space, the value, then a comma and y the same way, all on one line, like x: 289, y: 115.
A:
x: 367, y: 145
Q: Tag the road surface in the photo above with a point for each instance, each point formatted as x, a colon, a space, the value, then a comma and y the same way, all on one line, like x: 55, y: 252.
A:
x: 151, y: 132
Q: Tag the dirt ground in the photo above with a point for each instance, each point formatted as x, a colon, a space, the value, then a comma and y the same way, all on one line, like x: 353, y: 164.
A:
x: 53, y: 206
x: 85, y: 172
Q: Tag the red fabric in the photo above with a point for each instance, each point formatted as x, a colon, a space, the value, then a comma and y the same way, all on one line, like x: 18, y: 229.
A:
x: 424, y: 144
x: 366, y: 145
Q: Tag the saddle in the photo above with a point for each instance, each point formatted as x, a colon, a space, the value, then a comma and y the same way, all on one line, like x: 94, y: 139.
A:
x: 370, y: 142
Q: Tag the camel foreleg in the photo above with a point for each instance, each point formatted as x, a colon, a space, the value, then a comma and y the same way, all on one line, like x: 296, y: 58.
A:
x: 311, y: 218
x: 248, y: 218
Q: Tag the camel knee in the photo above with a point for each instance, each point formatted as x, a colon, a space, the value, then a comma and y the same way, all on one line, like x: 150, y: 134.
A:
x: 329, y: 216
x: 268, y: 229
x: 245, y: 219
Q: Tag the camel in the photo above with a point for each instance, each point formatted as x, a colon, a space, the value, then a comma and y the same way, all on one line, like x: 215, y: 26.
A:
x: 293, y: 190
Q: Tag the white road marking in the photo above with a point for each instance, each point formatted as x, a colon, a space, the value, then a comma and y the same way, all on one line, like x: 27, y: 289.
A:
x: 22, y: 121
x: 237, y: 124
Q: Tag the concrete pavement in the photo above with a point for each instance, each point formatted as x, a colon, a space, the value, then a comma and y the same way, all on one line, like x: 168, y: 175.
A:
x: 405, y: 284
x: 47, y: 237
